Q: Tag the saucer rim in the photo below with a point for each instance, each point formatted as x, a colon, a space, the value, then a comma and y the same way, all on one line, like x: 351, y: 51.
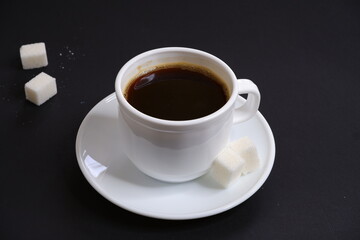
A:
x: 186, y: 216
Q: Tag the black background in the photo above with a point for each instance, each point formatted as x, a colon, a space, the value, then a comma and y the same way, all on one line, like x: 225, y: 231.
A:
x: 303, y: 55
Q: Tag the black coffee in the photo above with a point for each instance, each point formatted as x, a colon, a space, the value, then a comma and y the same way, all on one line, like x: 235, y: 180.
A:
x: 177, y: 92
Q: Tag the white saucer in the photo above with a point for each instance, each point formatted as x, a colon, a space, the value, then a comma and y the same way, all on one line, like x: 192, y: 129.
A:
x: 110, y: 172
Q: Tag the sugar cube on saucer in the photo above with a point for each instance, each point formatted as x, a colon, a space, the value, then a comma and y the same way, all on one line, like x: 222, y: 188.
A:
x: 33, y: 55
x: 247, y: 150
x: 39, y: 89
x: 238, y: 158
x: 227, y: 167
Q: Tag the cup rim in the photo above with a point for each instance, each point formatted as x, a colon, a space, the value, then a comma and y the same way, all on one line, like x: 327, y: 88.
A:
x: 173, y: 123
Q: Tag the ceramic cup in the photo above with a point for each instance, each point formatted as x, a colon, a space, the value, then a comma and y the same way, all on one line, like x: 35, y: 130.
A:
x: 178, y: 151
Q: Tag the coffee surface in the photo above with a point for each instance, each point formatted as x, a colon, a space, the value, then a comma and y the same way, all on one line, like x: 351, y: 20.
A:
x: 177, y: 93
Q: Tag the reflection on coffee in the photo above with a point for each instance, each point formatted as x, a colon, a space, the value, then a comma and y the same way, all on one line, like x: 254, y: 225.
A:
x: 177, y: 92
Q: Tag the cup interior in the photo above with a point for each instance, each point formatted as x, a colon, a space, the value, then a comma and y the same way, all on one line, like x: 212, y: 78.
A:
x: 149, y: 60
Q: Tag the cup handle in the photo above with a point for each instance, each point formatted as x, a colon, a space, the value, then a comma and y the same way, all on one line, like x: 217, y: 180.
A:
x: 249, y: 107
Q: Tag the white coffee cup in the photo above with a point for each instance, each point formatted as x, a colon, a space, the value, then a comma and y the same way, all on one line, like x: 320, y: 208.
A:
x: 178, y: 151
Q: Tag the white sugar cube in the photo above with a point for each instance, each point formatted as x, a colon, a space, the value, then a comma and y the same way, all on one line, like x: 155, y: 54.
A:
x: 238, y: 158
x: 39, y: 89
x: 227, y: 167
x: 247, y: 150
x: 33, y: 55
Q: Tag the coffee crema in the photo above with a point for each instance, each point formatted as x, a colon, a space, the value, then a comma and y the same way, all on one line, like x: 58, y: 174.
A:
x: 177, y: 91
